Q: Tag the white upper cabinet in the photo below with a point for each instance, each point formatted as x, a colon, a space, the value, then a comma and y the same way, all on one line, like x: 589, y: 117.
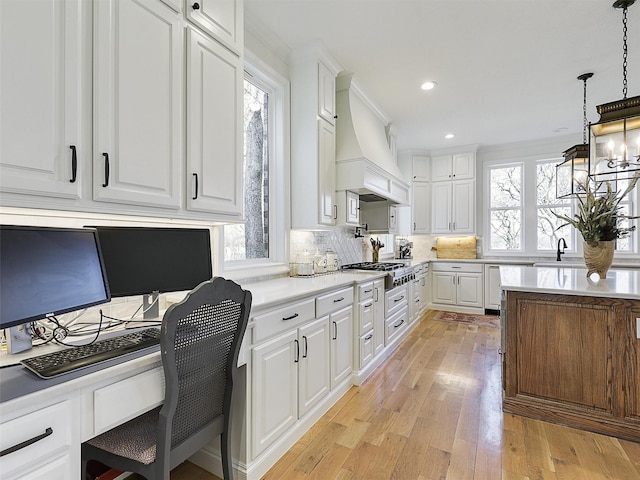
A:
x: 222, y: 19
x: 421, y: 207
x: 421, y: 168
x: 459, y: 166
x: 45, y: 123
x: 313, y: 142
x: 138, y: 91
x: 214, y: 128
x: 453, y: 207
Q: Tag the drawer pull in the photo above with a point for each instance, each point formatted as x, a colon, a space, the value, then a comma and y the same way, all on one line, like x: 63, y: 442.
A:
x: 369, y: 337
x: 338, y: 300
x: 291, y: 317
x: 26, y: 443
x: 368, y: 291
x: 368, y: 305
x: 399, y: 299
x: 456, y: 267
x: 401, y: 322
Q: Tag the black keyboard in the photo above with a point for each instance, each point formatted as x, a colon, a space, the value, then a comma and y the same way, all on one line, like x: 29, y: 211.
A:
x: 70, y: 359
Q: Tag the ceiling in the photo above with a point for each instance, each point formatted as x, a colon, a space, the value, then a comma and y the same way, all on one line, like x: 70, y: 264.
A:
x: 506, y: 69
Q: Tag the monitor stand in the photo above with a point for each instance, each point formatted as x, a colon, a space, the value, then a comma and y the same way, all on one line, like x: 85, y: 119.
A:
x: 18, y: 339
x: 151, y: 306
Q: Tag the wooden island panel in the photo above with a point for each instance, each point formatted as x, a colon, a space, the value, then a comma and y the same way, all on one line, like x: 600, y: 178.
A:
x: 573, y: 360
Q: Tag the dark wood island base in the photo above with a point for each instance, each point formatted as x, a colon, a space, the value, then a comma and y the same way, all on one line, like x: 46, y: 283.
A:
x: 573, y: 360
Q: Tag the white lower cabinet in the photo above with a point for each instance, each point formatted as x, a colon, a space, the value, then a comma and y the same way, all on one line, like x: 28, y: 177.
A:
x: 296, y: 369
x: 458, y: 284
x: 396, y: 324
x: 47, y: 443
x: 378, y: 316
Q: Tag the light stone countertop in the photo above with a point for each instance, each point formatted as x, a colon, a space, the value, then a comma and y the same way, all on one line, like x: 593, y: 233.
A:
x: 571, y: 281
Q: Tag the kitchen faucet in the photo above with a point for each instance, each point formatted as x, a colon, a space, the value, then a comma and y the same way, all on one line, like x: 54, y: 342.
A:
x: 564, y: 245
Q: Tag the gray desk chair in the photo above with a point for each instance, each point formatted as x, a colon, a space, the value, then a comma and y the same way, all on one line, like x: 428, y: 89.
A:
x: 200, y: 342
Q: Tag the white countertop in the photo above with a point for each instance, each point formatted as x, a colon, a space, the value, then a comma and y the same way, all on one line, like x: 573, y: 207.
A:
x: 570, y: 281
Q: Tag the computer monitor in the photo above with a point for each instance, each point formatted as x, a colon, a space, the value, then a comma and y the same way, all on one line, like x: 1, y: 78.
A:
x: 47, y: 271
x: 142, y: 260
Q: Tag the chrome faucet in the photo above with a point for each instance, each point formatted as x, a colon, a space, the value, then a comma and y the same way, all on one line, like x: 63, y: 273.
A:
x: 564, y: 245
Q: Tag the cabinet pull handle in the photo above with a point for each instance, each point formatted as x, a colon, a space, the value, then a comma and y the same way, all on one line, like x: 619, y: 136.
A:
x: 291, y: 317
x: 338, y: 300
x: 369, y: 337
x: 195, y: 194
x: 454, y: 226
x: 401, y: 322
x: 297, y: 359
x: 454, y: 266
x: 106, y: 169
x: 74, y: 163
x: 335, y: 330
x: 304, y: 355
x: 26, y: 443
x: 414, y: 226
x: 368, y: 305
x: 399, y: 299
x: 368, y: 291
x: 335, y: 212
x: 449, y: 225
x: 196, y: 6
x: 377, y: 295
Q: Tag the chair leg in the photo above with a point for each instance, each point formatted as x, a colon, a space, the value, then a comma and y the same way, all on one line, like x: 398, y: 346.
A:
x: 225, y: 448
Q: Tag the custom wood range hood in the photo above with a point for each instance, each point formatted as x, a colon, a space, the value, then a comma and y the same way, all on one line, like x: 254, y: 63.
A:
x: 364, y: 163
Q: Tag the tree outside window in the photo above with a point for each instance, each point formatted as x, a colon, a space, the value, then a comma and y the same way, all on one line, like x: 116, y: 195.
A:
x: 505, y: 207
x: 546, y: 204
x: 250, y: 240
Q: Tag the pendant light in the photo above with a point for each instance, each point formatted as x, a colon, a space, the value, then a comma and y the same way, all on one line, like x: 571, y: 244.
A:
x: 615, y: 139
x: 572, y: 174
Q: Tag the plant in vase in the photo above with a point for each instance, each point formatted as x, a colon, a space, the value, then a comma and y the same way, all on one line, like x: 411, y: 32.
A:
x: 600, y: 221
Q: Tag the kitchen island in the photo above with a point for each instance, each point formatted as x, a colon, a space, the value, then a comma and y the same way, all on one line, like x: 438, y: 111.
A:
x: 571, y: 348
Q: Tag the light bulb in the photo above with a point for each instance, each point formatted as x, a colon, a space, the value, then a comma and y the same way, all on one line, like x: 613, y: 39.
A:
x: 610, y: 147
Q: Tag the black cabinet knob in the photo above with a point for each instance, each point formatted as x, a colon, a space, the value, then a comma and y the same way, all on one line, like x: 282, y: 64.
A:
x: 196, y: 6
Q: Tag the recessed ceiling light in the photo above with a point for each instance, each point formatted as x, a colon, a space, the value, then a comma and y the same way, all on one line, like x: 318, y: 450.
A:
x: 449, y: 135
x: 428, y: 85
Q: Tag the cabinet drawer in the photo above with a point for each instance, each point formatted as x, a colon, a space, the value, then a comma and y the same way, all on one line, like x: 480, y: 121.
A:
x: 142, y: 393
x: 366, y: 349
x: 395, y: 299
x: 457, y: 267
x: 333, y: 301
x: 282, y: 319
x: 51, y: 429
x: 394, y: 325
x: 365, y: 316
x: 365, y: 291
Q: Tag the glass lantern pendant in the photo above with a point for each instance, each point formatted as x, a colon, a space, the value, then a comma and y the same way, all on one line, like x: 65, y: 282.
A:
x: 572, y: 174
x: 615, y: 139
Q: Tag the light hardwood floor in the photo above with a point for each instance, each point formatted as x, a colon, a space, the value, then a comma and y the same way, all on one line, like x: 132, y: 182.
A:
x: 433, y: 412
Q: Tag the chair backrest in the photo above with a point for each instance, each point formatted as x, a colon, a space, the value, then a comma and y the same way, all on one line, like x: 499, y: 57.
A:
x: 200, y: 343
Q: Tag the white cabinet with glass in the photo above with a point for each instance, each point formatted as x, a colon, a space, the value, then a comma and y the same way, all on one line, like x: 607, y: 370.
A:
x: 313, y: 177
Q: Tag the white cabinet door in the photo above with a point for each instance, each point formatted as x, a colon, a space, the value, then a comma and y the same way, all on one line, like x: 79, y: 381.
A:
x: 492, y: 282
x: 353, y: 208
x: 393, y: 218
x: 421, y: 168
x: 315, y: 365
x: 441, y: 168
x: 378, y: 316
x: 138, y: 92
x: 421, y: 207
x: 441, y: 207
x: 222, y: 19
x: 463, y: 206
x: 275, y: 389
x: 214, y: 128
x: 463, y: 166
x: 327, y: 173
x: 326, y: 93
x: 444, y: 288
x: 44, y: 87
x: 469, y: 290
x: 341, y: 324
x: 365, y: 316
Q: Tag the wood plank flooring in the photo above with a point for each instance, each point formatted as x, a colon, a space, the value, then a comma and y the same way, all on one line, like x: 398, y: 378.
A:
x: 433, y: 412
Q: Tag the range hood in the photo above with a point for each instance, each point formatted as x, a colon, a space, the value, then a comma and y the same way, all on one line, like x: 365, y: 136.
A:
x: 364, y: 163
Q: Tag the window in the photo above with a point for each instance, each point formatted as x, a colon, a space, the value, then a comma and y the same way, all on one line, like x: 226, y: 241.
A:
x: 505, y: 207
x: 251, y: 239
x: 626, y: 244
x: 257, y: 246
x: 547, y: 233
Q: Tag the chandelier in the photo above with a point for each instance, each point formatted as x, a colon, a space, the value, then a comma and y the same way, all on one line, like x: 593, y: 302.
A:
x: 615, y: 139
x: 572, y: 174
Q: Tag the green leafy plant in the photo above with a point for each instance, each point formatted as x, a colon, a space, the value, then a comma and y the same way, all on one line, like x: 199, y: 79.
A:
x: 599, y: 216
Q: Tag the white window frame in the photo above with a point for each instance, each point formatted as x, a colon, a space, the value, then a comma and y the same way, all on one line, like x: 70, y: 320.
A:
x: 279, y: 194
x: 489, y: 209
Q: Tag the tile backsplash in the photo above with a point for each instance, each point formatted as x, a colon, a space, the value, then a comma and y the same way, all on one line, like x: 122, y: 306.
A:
x: 341, y: 240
